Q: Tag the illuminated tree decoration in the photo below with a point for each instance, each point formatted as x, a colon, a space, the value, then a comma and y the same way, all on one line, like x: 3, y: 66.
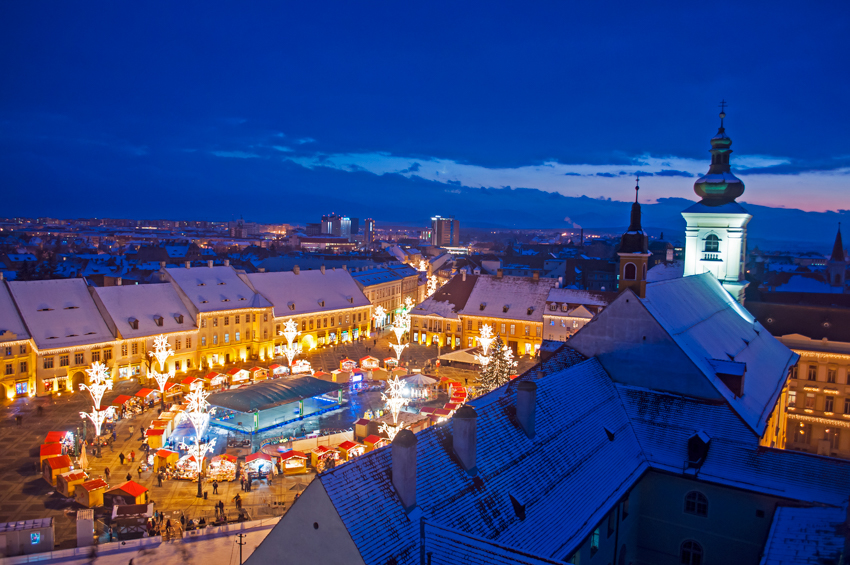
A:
x: 423, y: 266
x: 196, y: 410
x: 432, y: 285
x: 500, y: 367
x: 380, y: 315
x: 161, y: 352
x: 396, y: 398
x: 484, y: 340
x: 290, y: 332
x: 99, y: 382
x: 398, y: 348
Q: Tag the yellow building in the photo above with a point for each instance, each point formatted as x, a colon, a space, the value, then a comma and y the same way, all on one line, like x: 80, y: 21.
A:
x: 17, y: 356
x: 388, y: 286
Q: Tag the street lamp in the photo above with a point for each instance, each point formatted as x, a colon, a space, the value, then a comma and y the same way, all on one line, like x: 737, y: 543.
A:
x: 99, y: 382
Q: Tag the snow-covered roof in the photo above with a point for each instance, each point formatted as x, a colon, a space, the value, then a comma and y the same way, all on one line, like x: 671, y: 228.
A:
x: 60, y: 313
x: 449, y: 300
x: 509, y: 298
x: 805, y: 536
x: 376, y: 276
x: 707, y: 323
x: 294, y: 295
x: 145, y: 303
x: 216, y: 288
x: 10, y: 320
x: 570, y: 296
x: 727, y: 208
x: 807, y: 282
x: 21, y: 257
x: 665, y: 271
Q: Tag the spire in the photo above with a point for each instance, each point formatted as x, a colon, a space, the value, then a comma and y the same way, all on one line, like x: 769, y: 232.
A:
x: 634, y: 226
x: 719, y: 186
x: 838, y: 247
x: 635, y: 239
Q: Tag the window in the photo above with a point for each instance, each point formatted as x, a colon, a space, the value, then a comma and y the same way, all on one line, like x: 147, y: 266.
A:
x: 63, y: 360
x: 311, y: 323
x: 22, y: 349
x: 537, y: 330
x: 265, y: 333
x: 810, y: 400
x: 177, y: 344
x: 95, y: 356
x: 690, y: 553
x: 630, y: 272
x: 21, y: 387
x: 503, y: 329
x: 794, y: 372
x: 612, y: 523
x: 574, y: 558
x: 227, y: 338
x: 123, y: 350
x: 696, y: 503
x: 203, y: 340
x: 479, y: 325
x: 333, y: 321
x: 527, y: 330
x: 23, y: 367
x: 346, y: 319
x: 237, y: 319
x: 237, y: 336
x: 830, y: 375
x: 551, y: 321
x: 215, y: 339
x: 831, y: 435
x: 265, y: 316
x: 9, y: 369
x: 303, y: 325
x: 469, y: 344
x: 134, y: 348
x: 107, y: 355
x: 188, y: 364
x: 813, y: 372
x: 203, y: 322
x: 626, y: 506
x: 8, y: 351
x: 79, y: 358
x: 48, y: 362
x: 215, y: 322
x: 469, y: 325
x: 227, y: 320
x: 712, y: 244
x: 594, y: 542
x: 177, y: 365
x: 792, y: 399
x: 802, y: 433
x: 847, y: 405
x: 188, y: 343
x: 828, y: 404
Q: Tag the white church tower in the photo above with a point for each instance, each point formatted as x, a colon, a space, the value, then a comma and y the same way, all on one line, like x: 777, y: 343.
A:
x: 716, y: 234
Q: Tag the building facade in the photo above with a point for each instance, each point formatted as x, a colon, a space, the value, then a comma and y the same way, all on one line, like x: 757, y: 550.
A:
x: 445, y: 231
x: 388, y: 286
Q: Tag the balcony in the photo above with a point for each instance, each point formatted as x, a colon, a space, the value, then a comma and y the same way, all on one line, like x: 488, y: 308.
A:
x: 711, y: 256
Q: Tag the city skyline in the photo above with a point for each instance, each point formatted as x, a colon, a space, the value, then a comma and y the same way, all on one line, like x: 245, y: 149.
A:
x: 273, y: 104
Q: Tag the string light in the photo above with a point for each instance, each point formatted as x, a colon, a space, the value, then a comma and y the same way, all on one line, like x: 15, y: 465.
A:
x: 99, y: 382
x: 290, y: 332
x: 161, y: 352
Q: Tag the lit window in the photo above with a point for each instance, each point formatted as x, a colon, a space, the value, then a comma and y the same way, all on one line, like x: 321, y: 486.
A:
x: 123, y: 350
x: 21, y: 387
x: 227, y: 338
x: 696, y: 503
x: 79, y: 358
x: 48, y: 362
x: 237, y: 336
x: 203, y: 340
x: 690, y: 553
x: 215, y: 322
x: 712, y: 244
x: 813, y: 372
x: 792, y: 399
x: 215, y: 339
x: 828, y: 404
x: 810, y: 400
x: 594, y: 542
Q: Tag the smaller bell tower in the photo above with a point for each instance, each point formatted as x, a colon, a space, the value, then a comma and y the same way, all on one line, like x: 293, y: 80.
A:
x: 836, y: 267
x: 634, y: 252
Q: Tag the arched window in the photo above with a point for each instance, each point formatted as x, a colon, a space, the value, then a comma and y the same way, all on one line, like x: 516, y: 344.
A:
x: 630, y: 272
x: 712, y: 244
x: 696, y: 503
x: 690, y: 553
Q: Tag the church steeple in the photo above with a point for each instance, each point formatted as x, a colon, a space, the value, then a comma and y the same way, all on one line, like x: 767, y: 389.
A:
x: 837, y: 247
x: 719, y: 186
x: 836, y: 267
x: 634, y: 252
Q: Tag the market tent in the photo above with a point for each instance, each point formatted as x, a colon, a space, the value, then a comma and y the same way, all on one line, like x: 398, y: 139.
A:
x: 130, y: 492
x: 294, y: 462
x: 55, y: 437
x: 48, y: 450
x: 90, y: 493
x: 66, y: 482
x: 419, y: 380
x: 120, y: 400
x: 258, y: 455
x: 269, y: 394
x: 462, y: 356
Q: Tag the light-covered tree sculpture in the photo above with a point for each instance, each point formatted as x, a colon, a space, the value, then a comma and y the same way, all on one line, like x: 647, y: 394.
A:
x: 99, y: 382
x: 401, y: 326
x: 433, y: 285
x: 396, y: 398
x: 484, y: 340
x: 499, y: 368
x: 290, y: 332
x: 161, y: 352
x: 379, y: 315
x: 196, y: 411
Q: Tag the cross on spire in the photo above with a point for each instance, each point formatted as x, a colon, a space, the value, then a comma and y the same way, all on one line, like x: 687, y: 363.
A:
x: 722, y: 106
x: 637, y: 186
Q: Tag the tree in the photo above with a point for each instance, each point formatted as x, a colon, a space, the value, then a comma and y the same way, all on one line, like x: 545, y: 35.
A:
x: 500, y: 366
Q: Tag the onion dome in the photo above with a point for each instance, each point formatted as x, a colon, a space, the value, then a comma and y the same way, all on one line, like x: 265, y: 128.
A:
x: 719, y: 186
x: 635, y: 239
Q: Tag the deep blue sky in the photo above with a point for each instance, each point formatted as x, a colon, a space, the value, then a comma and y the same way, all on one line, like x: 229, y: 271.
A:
x: 281, y: 112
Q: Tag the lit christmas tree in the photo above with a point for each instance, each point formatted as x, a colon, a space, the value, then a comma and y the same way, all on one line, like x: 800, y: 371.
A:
x: 500, y: 367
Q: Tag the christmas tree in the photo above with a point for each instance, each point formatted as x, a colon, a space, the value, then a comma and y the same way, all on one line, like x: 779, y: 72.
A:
x: 500, y: 366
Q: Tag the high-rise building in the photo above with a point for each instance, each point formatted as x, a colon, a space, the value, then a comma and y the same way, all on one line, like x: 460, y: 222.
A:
x: 355, y: 226
x: 716, y: 234
x: 445, y: 231
x: 336, y: 225
x: 369, y: 231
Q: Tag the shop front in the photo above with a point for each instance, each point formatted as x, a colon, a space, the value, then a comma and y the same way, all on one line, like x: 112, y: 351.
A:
x: 238, y: 376
x: 374, y: 442
x: 90, y: 493
x: 222, y: 468
x: 124, y: 494
x: 293, y: 462
x: 258, y: 465
x: 323, y: 457
x: 348, y: 450
x: 52, y: 467
x: 67, y: 482
x: 278, y: 370
x: 164, y: 458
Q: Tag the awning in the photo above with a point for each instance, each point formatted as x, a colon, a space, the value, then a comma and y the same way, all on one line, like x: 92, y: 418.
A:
x: 55, y: 437
x: 121, y: 399
x: 144, y: 392
x: 269, y: 394
x: 258, y: 455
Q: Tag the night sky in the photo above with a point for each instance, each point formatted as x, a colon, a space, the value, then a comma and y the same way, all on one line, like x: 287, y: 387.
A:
x: 281, y: 112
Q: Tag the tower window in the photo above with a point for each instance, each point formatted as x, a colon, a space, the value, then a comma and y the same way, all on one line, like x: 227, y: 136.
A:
x: 712, y: 244
x: 690, y: 553
x: 630, y: 272
x: 696, y: 503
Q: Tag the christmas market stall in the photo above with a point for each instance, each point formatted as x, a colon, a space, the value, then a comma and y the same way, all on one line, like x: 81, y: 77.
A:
x: 164, y: 458
x: 348, y: 450
x: 148, y: 395
x: 390, y: 363
x: 379, y: 374
x: 361, y: 427
x: 66, y: 482
x: 238, y: 376
x: 130, y: 492
x: 55, y: 466
x: 420, y: 387
x: 187, y: 468
x: 124, y: 406
x: 374, y: 442
x: 323, y: 457
x: 347, y: 365
x: 90, y: 493
x: 173, y: 392
x: 192, y: 383
x: 259, y: 374
x: 258, y: 464
x: 48, y: 450
x: 293, y: 462
x: 301, y: 367
x: 370, y: 363
x: 278, y: 370
x: 216, y: 381
x: 222, y: 468
x: 155, y: 437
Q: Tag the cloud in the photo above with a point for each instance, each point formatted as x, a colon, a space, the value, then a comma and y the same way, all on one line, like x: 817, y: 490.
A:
x: 304, y: 140
x: 283, y: 148
x: 235, y: 154
x: 607, y: 175
x: 571, y: 174
x: 673, y: 173
x: 412, y: 168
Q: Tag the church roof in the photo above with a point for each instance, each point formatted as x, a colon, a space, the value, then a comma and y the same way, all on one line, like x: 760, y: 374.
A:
x: 837, y: 248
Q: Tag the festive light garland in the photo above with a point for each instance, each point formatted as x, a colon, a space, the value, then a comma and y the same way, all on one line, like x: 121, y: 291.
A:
x: 290, y: 332
x: 100, y: 381
x: 161, y: 352
x: 395, y: 398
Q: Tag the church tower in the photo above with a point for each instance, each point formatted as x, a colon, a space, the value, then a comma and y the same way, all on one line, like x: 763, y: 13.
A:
x: 836, y: 267
x: 634, y: 253
x: 716, y: 232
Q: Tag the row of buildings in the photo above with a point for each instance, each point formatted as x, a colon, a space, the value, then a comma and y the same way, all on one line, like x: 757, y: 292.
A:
x: 214, y: 316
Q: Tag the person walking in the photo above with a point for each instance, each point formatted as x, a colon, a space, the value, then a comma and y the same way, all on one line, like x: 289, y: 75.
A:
x: 111, y: 445
x: 129, y: 477
x: 215, y: 486
x: 132, y: 429
x: 183, y: 521
x: 121, y: 457
x: 139, y: 470
x: 242, y: 481
x: 106, y: 472
x: 132, y: 456
x: 114, y: 436
x: 159, y: 479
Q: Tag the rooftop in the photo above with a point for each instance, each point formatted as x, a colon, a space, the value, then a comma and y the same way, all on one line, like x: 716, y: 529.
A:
x: 268, y: 394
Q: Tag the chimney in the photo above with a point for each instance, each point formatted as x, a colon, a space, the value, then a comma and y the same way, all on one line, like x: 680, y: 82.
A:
x: 227, y: 262
x: 499, y: 273
x: 404, y: 467
x: 535, y: 276
x: 1, y: 275
x: 560, y: 282
x: 345, y: 267
x: 261, y: 269
x: 322, y: 269
x: 526, y: 398
x: 118, y: 281
x: 296, y: 269
x: 465, y: 436
x: 210, y: 263
x: 188, y: 264
x: 162, y: 264
x: 463, y: 276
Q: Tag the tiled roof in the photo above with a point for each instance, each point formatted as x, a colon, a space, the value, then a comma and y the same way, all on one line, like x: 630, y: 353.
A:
x: 130, y: 487
x: 509, y: 298
x: 446, y: 545
x: 212, y: 289
x: 805, y: 536
x: 145, y: 303
x: 449, y: 300
x: 294, y: 295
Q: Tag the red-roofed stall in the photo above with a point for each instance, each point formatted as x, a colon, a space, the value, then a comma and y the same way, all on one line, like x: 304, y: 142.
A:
x: 293, y: 462
x: 278, y: 370
x: 48, y: 450
x: 90, y: 493
x: 55, y: 466
x: 259, y: 464
x: 259, y: 374
x: 374, y: 442
x: 155, y: 437
x: 238, y: 375
x: 130, y: 492
x: 67, y: 481
x: 165, y: 457
x: 370, y: 362
x: 222, y: 468
x: 351, y: 449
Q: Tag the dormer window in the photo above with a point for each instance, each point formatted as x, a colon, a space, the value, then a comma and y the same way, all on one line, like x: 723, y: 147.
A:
x: 221, y: 284
x: 553, y: 307
x: 44, y: 310
x: 291, y: 305
x: 322, y: 303
x: 242, y: 298
x: 178, y: 318
x: 225, y: 300
x: 505, y: 308
x: 202, y: 284
x: 530, y: 310
x: 158, y: 320
x: 134, y: 323
x: 204, y: 301
x: 71, y: 307
x: 351, y: 300
x: 482, y: 306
